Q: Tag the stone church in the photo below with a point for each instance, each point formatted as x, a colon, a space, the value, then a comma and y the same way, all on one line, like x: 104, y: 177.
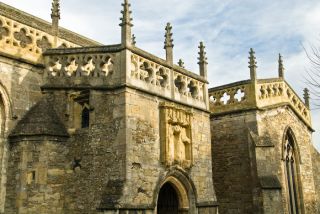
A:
x: 88, y: 128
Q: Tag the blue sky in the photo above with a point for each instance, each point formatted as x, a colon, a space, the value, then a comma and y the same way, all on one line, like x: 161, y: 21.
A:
x: 228, y: 28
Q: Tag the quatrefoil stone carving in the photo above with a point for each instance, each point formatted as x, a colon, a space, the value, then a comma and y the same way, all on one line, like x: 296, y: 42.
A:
x: 3, y: 31
x: 22, y: 37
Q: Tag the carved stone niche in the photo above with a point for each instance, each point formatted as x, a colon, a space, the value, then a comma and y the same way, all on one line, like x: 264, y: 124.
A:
x: 175, y: 136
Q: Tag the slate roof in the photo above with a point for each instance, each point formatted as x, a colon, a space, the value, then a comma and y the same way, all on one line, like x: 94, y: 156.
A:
x: 41, y: 120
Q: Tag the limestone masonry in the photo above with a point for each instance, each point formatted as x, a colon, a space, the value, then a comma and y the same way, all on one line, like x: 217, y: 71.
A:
x: 87, y: 128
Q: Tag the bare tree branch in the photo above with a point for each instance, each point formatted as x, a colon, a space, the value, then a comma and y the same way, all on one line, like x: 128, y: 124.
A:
x: 312, y: 78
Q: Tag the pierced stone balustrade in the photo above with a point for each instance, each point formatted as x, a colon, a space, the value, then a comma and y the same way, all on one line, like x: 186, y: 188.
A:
x: 157, y: 76
x: 258, y: 94
x: 231, y: 97
x: 103, y: 66
x: 25, y: 42
x: 150, y: 73
x: 83, y: 66
x: 277, y: 91
x: 73, y: 61
x: 26, y: 37
x: 186, y: 87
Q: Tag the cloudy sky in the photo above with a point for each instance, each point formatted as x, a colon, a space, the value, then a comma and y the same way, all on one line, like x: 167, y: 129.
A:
x: 228, y: 28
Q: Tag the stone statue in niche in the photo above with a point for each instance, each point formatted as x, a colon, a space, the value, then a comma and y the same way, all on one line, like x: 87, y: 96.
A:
x: 176, y: 141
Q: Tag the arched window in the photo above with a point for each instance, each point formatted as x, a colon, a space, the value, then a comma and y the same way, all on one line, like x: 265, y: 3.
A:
x: 80, y: 109
x: 291, y: 175
x: 85, y: 117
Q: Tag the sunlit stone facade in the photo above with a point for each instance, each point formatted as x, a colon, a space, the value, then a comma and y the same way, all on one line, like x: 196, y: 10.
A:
x: 90, y: 128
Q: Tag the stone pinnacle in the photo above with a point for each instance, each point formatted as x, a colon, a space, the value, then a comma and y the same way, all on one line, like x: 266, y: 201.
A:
x: 126, y: 14
x: 55, y: 10
x: 168, y: 41
x: 281, y: 67
x: 252, y: 64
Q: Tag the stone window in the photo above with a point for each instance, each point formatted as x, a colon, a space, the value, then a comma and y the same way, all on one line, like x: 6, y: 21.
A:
x: 31, y: 177
x: 81, y: 109
x: 291, y: 174
x: 85, y: 117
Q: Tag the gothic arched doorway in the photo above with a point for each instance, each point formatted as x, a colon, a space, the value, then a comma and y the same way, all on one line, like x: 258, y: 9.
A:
x: 168, y: 201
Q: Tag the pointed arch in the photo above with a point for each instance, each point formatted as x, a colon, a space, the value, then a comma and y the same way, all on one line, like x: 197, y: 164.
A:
x: 5, y: 109
x: 291, y: 161
x: 183, y: 186
x: 85, y: 116
x: 289, y: 134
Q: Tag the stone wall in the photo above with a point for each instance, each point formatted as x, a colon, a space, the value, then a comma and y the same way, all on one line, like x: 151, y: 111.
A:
x: 232, y: 177
x: 273, y: 124
x: 22, y: 83
x: 248, y: 165
x: 115, y: 163
x: 146, y: 171
x: 88, y: 171
x: 20, y: 89
x: 316, y: 173
x: 37, y: 185
x: 96, y: 155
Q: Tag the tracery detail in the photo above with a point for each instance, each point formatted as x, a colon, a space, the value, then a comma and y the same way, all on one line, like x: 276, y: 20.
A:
x: 44, y: 43
x: 4, y: 32
x: 27, y: 42
x: 96, y: 65
x: 291, y: 174
x: 23, y: 38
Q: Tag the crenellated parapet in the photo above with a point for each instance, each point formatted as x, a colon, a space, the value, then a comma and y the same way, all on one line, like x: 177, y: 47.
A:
x: 257, y: 94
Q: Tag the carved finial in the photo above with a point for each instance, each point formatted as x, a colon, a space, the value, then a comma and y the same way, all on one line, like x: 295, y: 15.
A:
x: 168, y: 44
x: 306, y: 97
x: 281, y: 67
x: 181, y: 63
x: 252, y: 65
x: 55, y: 10
x: 55, y: 16
x: 126, y: 24
x: 202, y: 60
x: 133, y: 39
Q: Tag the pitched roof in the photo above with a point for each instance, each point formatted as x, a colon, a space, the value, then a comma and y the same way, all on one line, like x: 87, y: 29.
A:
x: 42, y: 120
